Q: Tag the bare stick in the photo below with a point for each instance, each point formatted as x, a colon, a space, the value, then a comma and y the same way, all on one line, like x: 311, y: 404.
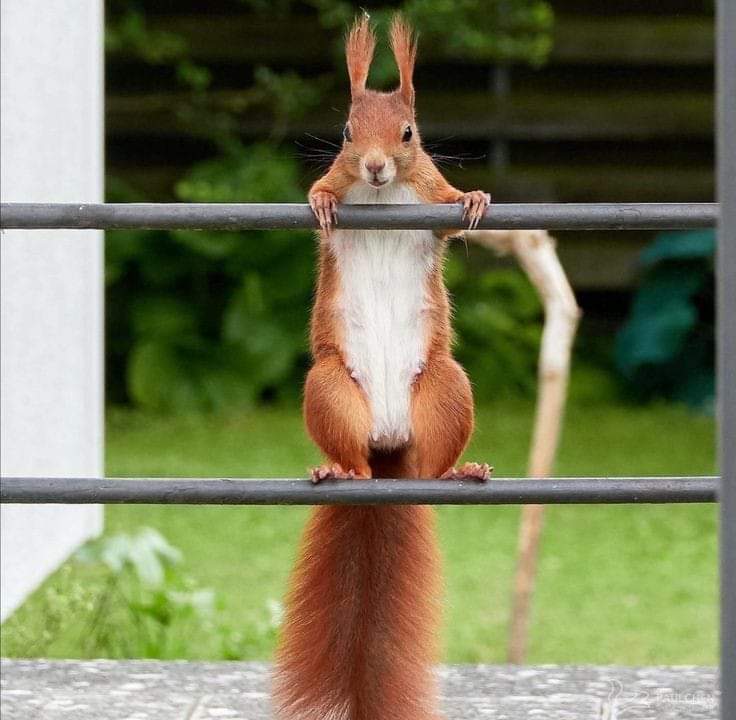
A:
x: 535, y: 251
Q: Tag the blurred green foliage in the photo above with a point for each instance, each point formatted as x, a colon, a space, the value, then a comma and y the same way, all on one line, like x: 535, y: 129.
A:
x: 666, y: 348
x: 498, y: 327
x: 203, y: 320
x: 127, y: 595
x: 492, y: 30
x: 145, y: 606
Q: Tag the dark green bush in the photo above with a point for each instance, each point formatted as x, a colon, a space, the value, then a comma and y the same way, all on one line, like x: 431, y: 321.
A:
x: 498, y: 326
x: 666, y: 348
x: 204, y: 319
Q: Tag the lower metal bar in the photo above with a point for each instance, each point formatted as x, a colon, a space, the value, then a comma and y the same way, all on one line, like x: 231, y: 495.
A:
x: 359, y: 492
x: 223, y: 216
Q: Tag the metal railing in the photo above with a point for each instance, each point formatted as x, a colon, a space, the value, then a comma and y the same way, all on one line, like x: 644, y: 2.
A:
x: 198, y: 491
x: 210, y: 491
x: 229, y: 216
x: 510, y: 216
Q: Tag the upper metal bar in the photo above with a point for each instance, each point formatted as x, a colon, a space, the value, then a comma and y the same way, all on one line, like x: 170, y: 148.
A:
x: 726, y: 340
x: 562, y: 216
x: 202, y: 491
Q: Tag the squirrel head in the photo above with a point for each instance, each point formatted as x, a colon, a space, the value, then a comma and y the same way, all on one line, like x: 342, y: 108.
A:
x: 381, y: 140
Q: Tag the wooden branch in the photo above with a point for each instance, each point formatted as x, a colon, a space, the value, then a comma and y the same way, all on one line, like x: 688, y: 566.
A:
x: 535, y: 251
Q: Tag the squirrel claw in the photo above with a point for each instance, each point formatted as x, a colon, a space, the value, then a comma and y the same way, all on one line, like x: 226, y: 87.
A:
x: 481, y: 472
x: 324, y: 207
x: 475, y: 203
x: 330, y: 472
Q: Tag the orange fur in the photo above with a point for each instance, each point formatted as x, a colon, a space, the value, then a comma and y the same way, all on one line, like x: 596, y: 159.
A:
x: 337, y: 415
x: 403, y: 44
x: 359, y: 46
x: 361, y: 615
x: 358, y: 639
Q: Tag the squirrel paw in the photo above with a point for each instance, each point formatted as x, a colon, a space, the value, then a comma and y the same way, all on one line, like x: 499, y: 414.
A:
x: 469, y: 471
x: 475, y: 203
x: 330, y: 472
x: 324, y: 206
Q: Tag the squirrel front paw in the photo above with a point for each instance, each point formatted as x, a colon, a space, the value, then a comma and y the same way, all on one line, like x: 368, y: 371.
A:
x: 481, y: 472
x: 475, y: 203
x: 324, y: 206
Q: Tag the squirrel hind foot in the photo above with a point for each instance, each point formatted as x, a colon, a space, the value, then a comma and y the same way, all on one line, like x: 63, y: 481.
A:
x: 480, y: 472
x: 330, y: 472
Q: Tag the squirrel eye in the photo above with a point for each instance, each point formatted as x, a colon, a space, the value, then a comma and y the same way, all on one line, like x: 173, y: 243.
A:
x: 407, y: 134
x: 347, y: 134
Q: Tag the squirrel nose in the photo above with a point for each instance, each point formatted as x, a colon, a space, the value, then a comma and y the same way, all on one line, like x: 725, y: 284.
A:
x: 374, y: 167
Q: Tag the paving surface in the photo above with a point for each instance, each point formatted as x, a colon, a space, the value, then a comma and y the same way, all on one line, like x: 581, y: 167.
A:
x: 148, y: 690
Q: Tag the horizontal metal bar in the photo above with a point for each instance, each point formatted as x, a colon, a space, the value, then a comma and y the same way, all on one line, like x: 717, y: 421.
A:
x: 202, y: 491
x: 221, y: 216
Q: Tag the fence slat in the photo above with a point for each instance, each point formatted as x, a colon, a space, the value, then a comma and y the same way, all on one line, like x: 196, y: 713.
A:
x: 224, y: 216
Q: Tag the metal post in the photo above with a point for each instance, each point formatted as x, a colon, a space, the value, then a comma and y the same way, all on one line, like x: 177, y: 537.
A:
x: 726, y: 311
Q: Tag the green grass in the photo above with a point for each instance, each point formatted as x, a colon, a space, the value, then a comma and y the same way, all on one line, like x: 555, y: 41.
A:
x: 617, y: 584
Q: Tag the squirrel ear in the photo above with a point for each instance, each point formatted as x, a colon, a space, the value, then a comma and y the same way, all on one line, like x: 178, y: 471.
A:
x: 404, y: 46
x: 360, y: 43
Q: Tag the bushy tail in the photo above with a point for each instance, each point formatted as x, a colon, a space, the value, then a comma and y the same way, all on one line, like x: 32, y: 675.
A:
x: 358, y: 640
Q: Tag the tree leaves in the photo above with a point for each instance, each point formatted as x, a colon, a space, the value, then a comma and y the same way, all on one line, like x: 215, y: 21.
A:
x: 206, y: 320
x: 498, y: 321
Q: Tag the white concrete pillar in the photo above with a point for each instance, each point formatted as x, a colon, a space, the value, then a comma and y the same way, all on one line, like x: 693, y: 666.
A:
x: 51, y: 393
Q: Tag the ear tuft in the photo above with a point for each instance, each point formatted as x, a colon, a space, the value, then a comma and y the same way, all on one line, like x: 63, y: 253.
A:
x: 360, y: 43
x: 404, y: 46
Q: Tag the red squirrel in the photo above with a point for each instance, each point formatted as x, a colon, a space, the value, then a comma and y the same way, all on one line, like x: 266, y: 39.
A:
x: 384, y: 399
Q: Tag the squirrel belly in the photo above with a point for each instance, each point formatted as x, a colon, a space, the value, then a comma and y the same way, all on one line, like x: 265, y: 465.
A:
x: 382, y: 302
x: 359, y: 634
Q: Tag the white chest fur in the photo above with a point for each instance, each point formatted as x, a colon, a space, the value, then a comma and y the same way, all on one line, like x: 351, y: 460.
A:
x: 382, y: 299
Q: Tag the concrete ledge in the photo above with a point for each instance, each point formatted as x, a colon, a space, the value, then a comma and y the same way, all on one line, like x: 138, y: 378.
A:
x: 148, y: 690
